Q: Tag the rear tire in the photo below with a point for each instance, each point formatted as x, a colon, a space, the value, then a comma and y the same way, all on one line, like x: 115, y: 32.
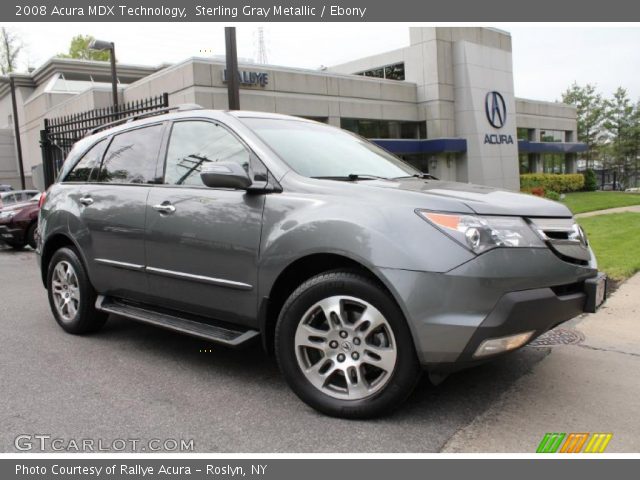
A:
x: 344, y: 347
x: 71, y: 295
x: 31, y: 235
x: 16, y: 245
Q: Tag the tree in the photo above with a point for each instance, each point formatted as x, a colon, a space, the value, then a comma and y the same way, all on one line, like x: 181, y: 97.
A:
x: 619, y: 127
x: 590, y: 115
x: 79, y: 48
x: 10, y: 48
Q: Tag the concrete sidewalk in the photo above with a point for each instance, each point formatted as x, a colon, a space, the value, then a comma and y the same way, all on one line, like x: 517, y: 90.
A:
x: 590, y: 387
x: 630, y: 208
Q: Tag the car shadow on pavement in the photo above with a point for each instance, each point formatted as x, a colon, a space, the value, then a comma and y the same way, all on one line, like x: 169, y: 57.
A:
x: 463, y: 394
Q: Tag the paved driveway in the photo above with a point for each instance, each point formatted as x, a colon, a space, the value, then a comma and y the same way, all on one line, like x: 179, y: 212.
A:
x: 135, y: 381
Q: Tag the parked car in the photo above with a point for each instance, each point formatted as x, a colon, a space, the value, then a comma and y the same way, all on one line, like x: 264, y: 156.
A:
x: 356, y: 269
x: 5, y: 188
x: 19, y: 222
x: 16, y: 196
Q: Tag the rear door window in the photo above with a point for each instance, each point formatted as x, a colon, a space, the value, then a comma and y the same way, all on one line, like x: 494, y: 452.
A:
x: 132, y: 156
x: 84, y: 168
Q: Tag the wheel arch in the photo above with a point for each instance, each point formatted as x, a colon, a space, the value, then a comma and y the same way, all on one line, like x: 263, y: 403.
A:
x: 297, y: 272
x: 51, y: 245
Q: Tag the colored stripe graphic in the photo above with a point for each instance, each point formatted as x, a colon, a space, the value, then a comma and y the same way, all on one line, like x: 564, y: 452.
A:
x: 598, y: 443
x: 550, y: 442
x: 574, y: 443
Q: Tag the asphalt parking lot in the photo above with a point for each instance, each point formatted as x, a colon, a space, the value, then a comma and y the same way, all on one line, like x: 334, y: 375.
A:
x: 135, y: 381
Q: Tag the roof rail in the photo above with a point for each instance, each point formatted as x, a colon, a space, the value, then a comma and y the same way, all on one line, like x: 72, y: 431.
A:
x: 185, y: 107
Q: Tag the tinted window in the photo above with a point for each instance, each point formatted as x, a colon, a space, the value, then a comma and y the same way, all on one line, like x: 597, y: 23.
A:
x: 82, y: 171
x: 195, y: 143
x: 131, y: 157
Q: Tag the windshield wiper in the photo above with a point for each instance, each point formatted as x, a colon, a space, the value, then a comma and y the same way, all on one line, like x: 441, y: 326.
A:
x: 426, y: 176
x: 352, y: 177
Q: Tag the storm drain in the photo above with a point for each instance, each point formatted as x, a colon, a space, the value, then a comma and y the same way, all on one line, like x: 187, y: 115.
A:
x: 558, y: 336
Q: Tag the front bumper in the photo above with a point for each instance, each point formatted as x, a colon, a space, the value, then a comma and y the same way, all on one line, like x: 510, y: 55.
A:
x: 500, y: 293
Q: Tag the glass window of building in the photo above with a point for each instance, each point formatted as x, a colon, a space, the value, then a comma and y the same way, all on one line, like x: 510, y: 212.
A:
x: 552, y: 135
x: 525, y: 133
x: 553, y: 163
x: 526, y: 163
x: 390, y: 72
x: 385, y: 128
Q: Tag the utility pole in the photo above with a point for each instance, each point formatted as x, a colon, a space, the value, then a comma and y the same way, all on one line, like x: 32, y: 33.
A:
x: 16, y: 129
x: 233, y: 86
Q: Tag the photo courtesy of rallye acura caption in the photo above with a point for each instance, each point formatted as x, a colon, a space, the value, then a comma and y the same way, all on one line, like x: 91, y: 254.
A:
x: 354, y: 269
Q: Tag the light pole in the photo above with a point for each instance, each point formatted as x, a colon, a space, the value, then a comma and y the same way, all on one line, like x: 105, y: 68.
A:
x: 233, y: 87
x: 101, y: 46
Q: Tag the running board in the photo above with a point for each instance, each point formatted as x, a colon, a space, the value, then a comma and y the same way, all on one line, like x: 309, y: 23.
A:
x: 225, y: 335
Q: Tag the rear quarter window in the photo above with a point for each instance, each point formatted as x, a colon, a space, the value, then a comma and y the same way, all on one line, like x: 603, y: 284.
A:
x: 83, y: 170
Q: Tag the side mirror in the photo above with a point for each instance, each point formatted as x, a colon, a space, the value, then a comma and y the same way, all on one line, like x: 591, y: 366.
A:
x: 225, y: 175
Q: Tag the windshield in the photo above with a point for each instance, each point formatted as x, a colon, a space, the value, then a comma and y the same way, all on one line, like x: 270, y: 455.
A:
x: 317, y: 150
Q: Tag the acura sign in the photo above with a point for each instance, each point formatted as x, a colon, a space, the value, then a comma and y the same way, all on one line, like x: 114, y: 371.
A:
x: 496, y: 110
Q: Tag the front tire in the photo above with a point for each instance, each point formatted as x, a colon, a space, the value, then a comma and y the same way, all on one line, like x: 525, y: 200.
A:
x: 344, y: 347
x: 71, y: 295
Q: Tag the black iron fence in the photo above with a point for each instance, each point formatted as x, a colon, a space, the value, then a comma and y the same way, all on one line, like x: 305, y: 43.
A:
x: 61, y: 133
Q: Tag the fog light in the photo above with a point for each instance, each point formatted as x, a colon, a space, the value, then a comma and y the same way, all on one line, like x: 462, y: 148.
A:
x: 503, y: 344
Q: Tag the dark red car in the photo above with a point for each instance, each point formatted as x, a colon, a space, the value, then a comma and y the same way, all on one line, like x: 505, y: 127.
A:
x: 18, y: 224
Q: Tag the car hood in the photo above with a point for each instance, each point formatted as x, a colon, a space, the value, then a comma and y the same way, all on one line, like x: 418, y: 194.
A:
x: 481, y: 199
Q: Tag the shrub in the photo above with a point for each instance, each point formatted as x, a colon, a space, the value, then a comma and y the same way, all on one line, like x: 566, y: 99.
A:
x: 538, y: 191
x: 551, y: 195
x: 551, y: 181
x: 590, y: 180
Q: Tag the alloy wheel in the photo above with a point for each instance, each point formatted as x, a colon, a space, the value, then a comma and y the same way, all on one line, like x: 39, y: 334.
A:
x: 345, y: 348
x: 65, y: 290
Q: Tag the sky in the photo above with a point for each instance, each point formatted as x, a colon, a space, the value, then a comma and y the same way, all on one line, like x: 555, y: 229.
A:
x: 546, y: 58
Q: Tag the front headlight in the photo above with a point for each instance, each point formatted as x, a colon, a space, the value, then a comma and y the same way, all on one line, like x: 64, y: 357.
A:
x: 8, y: 214
x: 480, y: 234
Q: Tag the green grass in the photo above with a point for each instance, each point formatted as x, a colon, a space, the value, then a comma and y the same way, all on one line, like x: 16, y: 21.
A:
x: 580, y: 202
x: 615, y: 239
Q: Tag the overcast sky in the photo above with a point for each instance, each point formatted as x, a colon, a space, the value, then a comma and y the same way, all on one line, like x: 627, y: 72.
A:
x: 546, y: 59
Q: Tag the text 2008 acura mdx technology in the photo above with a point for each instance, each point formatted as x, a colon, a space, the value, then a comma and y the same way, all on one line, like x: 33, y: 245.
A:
x: 357, y: 270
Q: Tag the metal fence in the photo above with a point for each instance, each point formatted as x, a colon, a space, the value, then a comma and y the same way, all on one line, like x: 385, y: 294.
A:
x: 61, y: 133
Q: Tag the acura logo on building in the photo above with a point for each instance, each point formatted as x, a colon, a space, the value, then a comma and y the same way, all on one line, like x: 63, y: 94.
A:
x: 496, y: 109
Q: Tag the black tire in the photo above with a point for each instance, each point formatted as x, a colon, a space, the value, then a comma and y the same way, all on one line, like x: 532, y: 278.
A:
x: 86, y: 319
x: 346, y: 283
x: 16, y: 245
x: 31, y: 235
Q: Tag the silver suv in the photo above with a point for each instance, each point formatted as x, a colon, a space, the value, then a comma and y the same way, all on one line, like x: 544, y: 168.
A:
x: 355, y: 269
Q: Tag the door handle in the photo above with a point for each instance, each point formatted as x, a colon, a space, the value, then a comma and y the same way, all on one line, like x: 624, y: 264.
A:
x: 164, y: 208
x: 86, y: 201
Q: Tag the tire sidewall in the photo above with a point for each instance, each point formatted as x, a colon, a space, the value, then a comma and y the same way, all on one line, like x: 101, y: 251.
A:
x: 406, y: 371
x: 78, y: 324
x: 31, y: 235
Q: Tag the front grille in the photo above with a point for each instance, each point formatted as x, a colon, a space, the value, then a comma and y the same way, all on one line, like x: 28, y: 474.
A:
x: 565, y: 238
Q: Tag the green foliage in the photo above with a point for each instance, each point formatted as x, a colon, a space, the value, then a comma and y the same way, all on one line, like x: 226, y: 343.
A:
x: 580, y: 202
x: 590, y: 108
x: 590, y: 180
x: 551, y: 195
x: 552, y: 182
x: 615, y: 241
x: 79, y: 49
x: 10, y: 48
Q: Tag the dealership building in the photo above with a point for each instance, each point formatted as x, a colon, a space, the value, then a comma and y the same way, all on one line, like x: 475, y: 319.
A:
x: 445, y: 103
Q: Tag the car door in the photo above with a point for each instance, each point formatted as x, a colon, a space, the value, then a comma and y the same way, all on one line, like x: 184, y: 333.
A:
x: 112, y: 211
x: 203, y: 243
